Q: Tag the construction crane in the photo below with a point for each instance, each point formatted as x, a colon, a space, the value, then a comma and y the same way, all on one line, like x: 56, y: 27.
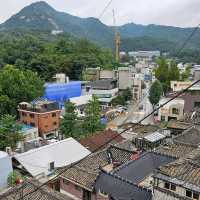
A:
x: 117, y: 38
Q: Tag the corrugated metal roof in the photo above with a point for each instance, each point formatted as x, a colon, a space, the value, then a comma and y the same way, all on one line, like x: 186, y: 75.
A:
x: 62, y: 153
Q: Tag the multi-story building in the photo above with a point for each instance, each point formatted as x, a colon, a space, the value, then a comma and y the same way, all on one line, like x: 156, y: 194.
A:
x: 172, y: 110
x: 45, y: 115
x: 105, y: 90
x: 144, y: 55
x: 137, y: 89
x: 125, y: 79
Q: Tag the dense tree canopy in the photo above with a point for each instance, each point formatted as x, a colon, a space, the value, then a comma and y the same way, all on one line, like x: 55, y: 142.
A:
x: 155, y: 92
x: 166, y: 72
x: 69, y: 121
x: 48, y: 55
x: 9, y: 132
x: 16, y: 86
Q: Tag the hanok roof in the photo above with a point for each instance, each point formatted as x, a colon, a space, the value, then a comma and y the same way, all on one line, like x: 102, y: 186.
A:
x: 126, y: 145
x: 119, y: 188
x: 96, y: 141
x: 62, y: 153
x: 191, y: 137
x: 137, y: 170
x: 173, y: 124
x: 185, y: 171
x: 175, y: 150
x: 28, y: 186
x: 86, y: 171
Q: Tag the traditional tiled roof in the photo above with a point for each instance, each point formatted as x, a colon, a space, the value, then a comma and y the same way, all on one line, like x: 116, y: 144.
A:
x: 86, y: 171
x: 118, y: 188
x: 191, y: 137
x: 176, y: 150
x: 126, y: 145
x: 174, y: 124
x: 137, y: 170
x: 97, y: 140
x: 186, y: 170
x: 28, y: 186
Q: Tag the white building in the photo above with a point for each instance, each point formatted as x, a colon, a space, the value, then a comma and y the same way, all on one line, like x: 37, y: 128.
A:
x: 172, y: 110
x: 80, y: 104
x: 5, y: 169
x: 144, y: 55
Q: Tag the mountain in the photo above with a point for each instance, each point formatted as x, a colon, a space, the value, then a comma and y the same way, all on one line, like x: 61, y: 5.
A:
x: 42, y: 17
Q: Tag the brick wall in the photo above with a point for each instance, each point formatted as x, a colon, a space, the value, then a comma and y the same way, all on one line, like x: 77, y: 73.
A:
x: 46, y: 122
x: 68, y: 187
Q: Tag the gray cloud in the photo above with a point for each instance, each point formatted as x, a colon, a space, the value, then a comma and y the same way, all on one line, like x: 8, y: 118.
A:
x: 167, y: 12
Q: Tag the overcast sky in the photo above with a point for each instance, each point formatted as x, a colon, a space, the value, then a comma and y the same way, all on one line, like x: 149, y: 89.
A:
x: 183, y: 13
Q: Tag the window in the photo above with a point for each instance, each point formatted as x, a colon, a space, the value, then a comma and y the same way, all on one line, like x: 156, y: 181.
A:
x: 173, y: 187
x: 188, y: 193
x: 167, y: 186
x: 51, y: 166
x: 197, y: 104
x: 78, y: 188
x: 66, y: 182
x: 31, y: 115
x: 162, y: 118
x: 175, y: 111
x: 55, y: 123
x: 24, y: 114
x: 53, y: 114
x: 32, y: 124
x: 170, y: 186
x: 195, y: 195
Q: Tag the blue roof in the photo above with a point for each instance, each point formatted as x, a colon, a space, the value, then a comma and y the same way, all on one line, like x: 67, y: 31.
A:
x: 61, y: 92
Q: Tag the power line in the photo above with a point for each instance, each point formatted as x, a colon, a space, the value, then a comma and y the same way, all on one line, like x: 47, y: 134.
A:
x: 104, y: 10
x: 188, y: 39
x: 97, y: 149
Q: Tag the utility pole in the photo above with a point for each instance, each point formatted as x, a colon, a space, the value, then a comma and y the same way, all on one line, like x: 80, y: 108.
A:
x: 117, y: 38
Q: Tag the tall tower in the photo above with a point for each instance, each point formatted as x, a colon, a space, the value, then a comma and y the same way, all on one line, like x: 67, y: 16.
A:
x: 117, y: 38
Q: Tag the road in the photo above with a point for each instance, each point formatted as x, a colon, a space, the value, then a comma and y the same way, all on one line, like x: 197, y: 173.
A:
x: 134, y: 115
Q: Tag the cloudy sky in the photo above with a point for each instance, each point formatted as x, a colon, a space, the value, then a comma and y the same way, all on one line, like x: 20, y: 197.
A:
x: 183, y: 13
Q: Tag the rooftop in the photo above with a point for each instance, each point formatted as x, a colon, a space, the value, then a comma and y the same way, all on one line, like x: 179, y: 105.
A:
x: 184, y: 171
x: 62, y: 153
x: 28, y: 186
x: 96, y: 141
x: 190, y: 136
x: 119, y: 188
x: 174, y: 124
x: 136, y: 170
x: 39, y: 105
x: 86, y: 172
x: 104, y: 84
x: 176, y: 150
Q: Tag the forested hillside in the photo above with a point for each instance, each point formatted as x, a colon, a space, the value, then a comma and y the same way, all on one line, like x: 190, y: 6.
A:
x: 47, y: 54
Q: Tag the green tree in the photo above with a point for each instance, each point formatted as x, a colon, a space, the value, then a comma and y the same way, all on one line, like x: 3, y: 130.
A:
x: 155, y: 92
x: 162, y: 73
x: 68, y: 123
x: 185, y: 75
x: 16, y: 86
x: 127, y: 94
x: 174, y: 74
x: 92, y: 121
x: 119, y: 100
x: 10, y: 133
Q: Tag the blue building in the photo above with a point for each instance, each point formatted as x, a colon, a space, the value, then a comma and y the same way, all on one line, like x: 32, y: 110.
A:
x: 61, y: 92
